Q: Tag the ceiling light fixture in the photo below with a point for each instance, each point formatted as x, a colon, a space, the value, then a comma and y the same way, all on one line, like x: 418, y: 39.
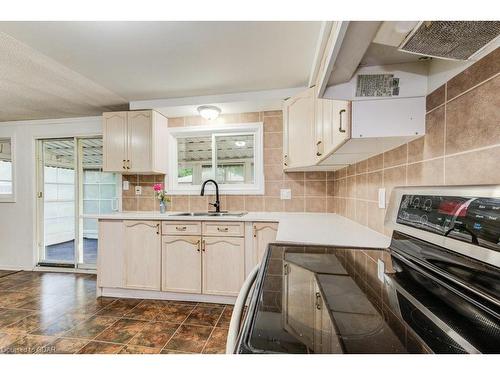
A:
x: 209, y: 112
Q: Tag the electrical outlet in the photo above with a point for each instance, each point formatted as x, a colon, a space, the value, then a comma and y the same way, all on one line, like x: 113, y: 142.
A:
x: 380, y: 270
x: 381, y: 198
x: 285, y: 194
x: 125, y: 185
x: 138, y: 190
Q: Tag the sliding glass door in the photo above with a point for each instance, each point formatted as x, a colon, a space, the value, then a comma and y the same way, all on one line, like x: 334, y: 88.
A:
x: 72, y: 185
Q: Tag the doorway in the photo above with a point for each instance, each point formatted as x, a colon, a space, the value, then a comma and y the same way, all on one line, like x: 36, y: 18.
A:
x: 71, y: 186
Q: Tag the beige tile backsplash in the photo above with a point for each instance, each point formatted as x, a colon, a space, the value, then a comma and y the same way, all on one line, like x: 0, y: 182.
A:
x: 461, y: 146
x: 311, y: 191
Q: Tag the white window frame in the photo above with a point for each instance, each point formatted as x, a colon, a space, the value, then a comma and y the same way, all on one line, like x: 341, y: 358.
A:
x: 257, y: 188
x: 11, y: 198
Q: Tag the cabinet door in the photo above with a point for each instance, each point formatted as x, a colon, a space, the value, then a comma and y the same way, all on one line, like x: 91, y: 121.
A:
x: 223, y: 265
x: 326, y: 340
x: 340, y: 125
x: 299, y: 129
x: 110, y: 257
x: 114, y: 130
x: 263, y: 235
x: 181, y: 264
x: 140, y: 145
x: 142, y: 254
x: 298, y: 312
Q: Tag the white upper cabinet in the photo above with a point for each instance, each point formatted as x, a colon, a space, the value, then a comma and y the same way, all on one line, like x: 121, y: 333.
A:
x: 326, y: 134
x: 298, y: 115
x: 135, y: 142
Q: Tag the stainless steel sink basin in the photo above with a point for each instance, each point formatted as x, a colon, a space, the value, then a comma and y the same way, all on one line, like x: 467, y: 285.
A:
x: 234, y: 214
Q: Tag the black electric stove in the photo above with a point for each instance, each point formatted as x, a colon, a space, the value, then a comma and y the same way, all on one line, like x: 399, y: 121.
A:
x: 443, y: 288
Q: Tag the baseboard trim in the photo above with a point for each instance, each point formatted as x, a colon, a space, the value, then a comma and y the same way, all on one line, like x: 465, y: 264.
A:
x: 63, y: 270
x: 14, y: 268
x: 152, y: 294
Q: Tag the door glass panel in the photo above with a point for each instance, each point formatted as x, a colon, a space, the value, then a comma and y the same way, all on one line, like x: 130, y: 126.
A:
x: 235, y: 159
x: 99, y: 192
x: 58, y: 168
x: 68, y: 236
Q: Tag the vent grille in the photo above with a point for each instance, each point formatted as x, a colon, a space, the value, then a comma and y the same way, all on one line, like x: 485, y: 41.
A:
x: 457, y: 40
x: 377, y: 85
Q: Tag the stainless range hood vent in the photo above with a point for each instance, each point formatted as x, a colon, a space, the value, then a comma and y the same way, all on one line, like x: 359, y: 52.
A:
x: 456, y: 40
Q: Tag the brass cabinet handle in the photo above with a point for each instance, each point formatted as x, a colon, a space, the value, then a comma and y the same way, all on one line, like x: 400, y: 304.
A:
x: 226, y: 229
x: 128, y: 164
x: 124, y: 166
x: 318, y: 153
x: 254, y: 231
x: 202, y: 245
x: 182, y: 229
x: 340, y: 126
x: 285, y: 160
x: 318, y: 301
x: 198, y: 245
x: 158, y: 228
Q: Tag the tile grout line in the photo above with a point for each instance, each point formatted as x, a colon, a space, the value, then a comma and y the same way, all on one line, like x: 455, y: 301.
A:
x: 213, y: 329
x: 180, y: 325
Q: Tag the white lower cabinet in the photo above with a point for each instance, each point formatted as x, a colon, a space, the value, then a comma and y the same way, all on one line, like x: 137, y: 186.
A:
x: 204, y: 263
x: 142, y: 255
x: 263, y: 235
x: 181, y: 264
x: 223, y: 267
x: 188, y: 257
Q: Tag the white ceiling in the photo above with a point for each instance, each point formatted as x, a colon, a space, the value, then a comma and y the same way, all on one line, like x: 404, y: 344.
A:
x: 158, y: 60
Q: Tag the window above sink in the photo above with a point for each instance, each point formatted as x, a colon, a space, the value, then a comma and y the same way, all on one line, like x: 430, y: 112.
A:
x: 231, y: 154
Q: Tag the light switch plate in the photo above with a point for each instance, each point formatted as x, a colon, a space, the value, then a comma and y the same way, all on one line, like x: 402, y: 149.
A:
x: 125, y: 185
x: 381, y: 198
x: 286, y: 194
x: 138, y: 190
x: 380, y: 270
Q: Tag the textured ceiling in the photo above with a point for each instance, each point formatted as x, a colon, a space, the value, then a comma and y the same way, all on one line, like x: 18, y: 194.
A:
x: 33, y: 86
x: 151, y: 60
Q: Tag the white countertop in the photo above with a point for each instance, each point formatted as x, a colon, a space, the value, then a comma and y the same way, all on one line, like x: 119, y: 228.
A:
x: 298, y: 228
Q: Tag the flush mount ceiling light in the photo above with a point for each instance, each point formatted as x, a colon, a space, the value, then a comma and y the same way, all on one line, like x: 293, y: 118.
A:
x: 240, y: 143
x: 209, y: 112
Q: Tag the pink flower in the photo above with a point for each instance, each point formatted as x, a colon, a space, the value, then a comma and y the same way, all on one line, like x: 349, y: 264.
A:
x: 157, y: 187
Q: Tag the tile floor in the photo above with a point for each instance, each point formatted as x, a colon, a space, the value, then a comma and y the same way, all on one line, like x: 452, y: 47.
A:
x: 59, y: 313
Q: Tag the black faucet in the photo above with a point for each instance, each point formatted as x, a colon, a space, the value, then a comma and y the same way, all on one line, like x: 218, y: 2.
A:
x: 217, y: 202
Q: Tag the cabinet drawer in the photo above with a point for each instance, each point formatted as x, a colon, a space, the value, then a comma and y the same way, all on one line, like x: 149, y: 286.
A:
x: 219, y: 228
x: 181, y: 227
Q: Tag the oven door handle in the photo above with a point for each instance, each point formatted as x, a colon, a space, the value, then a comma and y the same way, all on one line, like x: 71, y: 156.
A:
x: 234, y: 325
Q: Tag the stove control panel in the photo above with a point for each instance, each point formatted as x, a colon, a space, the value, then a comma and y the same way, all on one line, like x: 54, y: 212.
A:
x: 474, y: 220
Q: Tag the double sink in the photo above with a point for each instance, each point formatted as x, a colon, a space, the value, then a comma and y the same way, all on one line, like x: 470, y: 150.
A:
x: 228, y: 214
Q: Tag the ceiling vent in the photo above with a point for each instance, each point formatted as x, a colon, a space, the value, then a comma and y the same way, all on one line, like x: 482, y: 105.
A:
x: 455, y: 40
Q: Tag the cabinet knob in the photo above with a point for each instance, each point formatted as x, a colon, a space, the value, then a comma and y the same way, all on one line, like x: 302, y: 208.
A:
x: 226, y: 229
x: 182, y: 229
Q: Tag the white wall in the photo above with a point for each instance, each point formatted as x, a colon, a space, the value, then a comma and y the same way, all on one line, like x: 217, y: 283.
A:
x: 18, y: 220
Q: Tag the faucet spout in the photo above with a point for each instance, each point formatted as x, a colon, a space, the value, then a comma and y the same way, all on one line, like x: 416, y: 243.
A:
x: 217, y: 201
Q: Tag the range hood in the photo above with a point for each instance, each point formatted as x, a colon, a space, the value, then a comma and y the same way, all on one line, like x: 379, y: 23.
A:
x: 454, y: 40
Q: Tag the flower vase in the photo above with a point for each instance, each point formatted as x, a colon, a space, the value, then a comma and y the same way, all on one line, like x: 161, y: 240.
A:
x: 163, y: 207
